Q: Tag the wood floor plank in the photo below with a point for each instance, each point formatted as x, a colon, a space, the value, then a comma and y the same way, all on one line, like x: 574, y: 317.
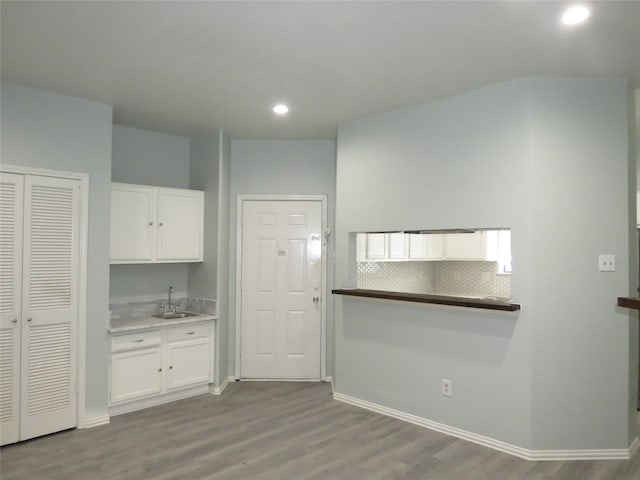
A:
x: 276, y: 431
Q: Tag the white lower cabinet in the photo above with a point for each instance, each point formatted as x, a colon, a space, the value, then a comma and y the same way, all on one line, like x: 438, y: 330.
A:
x: 188, y: 363
x: 148, y: 367
x: 136, y: 374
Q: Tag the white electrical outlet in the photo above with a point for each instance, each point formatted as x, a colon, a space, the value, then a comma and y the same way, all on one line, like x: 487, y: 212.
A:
x: 607, y: 263
x: 447, y: 387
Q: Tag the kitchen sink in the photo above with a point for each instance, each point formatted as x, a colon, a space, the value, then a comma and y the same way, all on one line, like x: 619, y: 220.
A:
x: 171, y: 315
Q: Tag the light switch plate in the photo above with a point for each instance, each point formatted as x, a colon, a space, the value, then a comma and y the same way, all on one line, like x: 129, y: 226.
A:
x: 607, y: 263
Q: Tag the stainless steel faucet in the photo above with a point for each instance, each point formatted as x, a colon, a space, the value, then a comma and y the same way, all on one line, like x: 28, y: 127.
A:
x: 170, y: 308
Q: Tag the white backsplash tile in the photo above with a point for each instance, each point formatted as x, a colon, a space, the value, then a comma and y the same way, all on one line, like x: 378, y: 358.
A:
x: 412, y: 277
x: 445, y: 277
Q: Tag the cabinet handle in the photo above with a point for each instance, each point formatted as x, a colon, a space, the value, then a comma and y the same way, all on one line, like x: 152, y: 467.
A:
x: 190, y: 333
x: 15, y: 320
x: 29, y: 319
x: 159, y: 369
x: 138, y: 341
x: 160, y: 224
x: 150, y: 224
x: 170, y: 367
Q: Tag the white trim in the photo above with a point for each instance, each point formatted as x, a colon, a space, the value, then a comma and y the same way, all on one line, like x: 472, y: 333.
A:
x: 220, y: 389
x: 157, y: 400
x: 538, y: 455
x: 83, y: 233
x: 633, y: 448
x: 96, y: 421
x: 323, y: 295
x: 291, y: 379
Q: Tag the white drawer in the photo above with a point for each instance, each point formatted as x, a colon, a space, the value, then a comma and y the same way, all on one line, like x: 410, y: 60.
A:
x: 186, y: 332
x: 135, y: 341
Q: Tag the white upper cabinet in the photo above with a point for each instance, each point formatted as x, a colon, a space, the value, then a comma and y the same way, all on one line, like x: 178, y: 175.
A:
x: 180, y: 225
x: 418, y: 246
x: 466, y: 246
x: 377, y: 244
x: 156, y: 224
x: 489, y: 245
x: 133, y: 229
x: 398, y: 246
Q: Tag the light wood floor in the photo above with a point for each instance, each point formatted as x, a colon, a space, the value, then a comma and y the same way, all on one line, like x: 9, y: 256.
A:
x: 283, y: 431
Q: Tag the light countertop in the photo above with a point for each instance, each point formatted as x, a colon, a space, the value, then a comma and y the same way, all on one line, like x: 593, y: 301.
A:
x: 126, y: 324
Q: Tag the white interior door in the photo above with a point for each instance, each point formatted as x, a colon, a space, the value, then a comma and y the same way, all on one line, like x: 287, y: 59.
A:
x: 280, y: 288
x: 11, y: 194
x: 50, y: 306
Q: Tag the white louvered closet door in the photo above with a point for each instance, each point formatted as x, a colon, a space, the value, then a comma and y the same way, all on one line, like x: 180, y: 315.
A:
x: 50, y: 306
x: 11, y: 194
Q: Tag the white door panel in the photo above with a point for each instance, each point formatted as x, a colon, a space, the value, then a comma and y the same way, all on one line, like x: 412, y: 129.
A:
x: 11, y: 195
x: 39, y: 248
x: 281, y: 275
x: 50, y: 305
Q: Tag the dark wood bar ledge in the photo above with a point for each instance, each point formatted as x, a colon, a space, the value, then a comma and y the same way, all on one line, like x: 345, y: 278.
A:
x: 485, y: 303
x: 629, y: 302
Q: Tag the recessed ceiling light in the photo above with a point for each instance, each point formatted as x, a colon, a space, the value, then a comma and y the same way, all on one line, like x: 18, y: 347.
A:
x: 574, y: 15
x: 280, y: 109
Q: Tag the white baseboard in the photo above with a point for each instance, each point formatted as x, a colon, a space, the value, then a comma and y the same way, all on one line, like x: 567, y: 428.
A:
x: 223, y: 385
x: 158, y: 400
x: 96, y: 421
x: 633, y: 448
x: 538, y: 455
x: 329, y: 379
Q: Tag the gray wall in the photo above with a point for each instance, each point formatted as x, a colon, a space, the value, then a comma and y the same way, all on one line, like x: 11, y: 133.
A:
x: 579, y: 191
x: 204, y: 278
x: 47, y: 130
x: 204, y: 176
x: 547, y: 159
x: 279, y: 167
x: 149, y: 158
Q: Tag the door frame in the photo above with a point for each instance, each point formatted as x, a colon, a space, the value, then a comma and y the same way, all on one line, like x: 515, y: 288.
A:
x: 83, y: 229
x: 323, y: 292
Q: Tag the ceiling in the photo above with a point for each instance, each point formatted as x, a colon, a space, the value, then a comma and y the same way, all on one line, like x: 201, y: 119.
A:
x: 186, y: 67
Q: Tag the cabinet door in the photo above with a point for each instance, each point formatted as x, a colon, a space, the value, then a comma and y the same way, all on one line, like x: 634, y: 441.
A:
x: 417, y: 247
x: 377, y: 246
x: 189, y: 363
x: 11, y: 198
x: 180, y: 225
x: 397, y: 246
x: 466, y: 246
x: 361, y: 247
x: 435, y: 246
x: 133, y: 227
x: 136, y: 374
